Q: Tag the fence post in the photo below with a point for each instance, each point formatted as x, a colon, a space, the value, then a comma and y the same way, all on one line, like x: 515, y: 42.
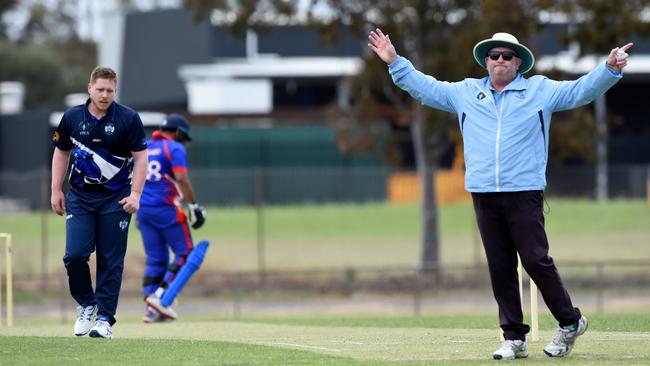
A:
x: 45, y: 208
x: 259, y: 204
x: 647, y: 189
x: 350, y: 278
x: 476, y: 240
x: 600, y: 296
x: 602, y: 169
x: 417, y: 295
x: 63, y: 302
x: 236, y: 297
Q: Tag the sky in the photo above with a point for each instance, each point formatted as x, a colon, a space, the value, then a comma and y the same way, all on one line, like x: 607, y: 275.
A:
x: 87, y: 12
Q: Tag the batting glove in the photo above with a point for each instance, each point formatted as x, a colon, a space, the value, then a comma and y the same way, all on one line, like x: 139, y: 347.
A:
x: 197, y: 215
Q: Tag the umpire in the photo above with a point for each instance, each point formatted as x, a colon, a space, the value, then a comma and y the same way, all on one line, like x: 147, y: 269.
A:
x: 504, y: 119
x: 105, y: 142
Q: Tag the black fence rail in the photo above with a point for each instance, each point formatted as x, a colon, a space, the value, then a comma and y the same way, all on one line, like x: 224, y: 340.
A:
x: 603, y: 281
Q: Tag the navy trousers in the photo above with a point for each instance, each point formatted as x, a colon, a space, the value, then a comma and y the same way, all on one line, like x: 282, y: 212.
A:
x: 511, y: 223
x: 95, y: 222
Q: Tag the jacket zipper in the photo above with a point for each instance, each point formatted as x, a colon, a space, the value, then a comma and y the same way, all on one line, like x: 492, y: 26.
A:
x: 498, y: 142
x: 499, y: 112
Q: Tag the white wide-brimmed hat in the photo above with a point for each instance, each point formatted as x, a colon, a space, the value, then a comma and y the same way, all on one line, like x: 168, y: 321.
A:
x: 502, y: 39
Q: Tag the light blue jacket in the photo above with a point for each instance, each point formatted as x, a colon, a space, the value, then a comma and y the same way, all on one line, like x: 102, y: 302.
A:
x: 505, y: 135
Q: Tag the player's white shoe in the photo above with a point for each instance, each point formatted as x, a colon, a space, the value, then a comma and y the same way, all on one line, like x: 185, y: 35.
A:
x: 152, y: 316
x: 563, y: 342
x: 102, y: 329
x: 85, y: 319
x: 165, y: 311
x: 511, y: 349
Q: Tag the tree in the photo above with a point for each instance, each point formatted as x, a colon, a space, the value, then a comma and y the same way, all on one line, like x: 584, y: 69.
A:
x: 437, y: 36
x: 5, y: 6
x: 38, y: 68
x: 597, y: 27
x: 46, y: 54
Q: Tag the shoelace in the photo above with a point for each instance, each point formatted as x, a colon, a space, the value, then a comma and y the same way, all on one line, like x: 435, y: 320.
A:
x: 508, y: 345
x: 562, y: 335
x: 106, y: 325
x: 86, y: 313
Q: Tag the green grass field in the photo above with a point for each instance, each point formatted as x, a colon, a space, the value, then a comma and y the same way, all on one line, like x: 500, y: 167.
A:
x: 344, y: 235
x: 612, y: 339
x: 336, y: 236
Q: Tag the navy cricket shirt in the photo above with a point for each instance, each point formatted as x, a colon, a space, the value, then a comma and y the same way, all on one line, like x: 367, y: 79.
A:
x: 101, y: 149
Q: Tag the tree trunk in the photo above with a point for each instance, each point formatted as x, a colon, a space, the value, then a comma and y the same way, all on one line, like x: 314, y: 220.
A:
x: 429, y: 259
x: 426, y: 171
x: 601, y: 150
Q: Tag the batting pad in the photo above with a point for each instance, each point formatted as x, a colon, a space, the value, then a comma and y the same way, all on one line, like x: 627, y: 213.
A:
x: 194, y: 260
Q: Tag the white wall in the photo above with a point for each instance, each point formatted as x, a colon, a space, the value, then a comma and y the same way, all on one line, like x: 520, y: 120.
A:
x: 110, y: 47
x: 12, y: 96
x: 220, y: 95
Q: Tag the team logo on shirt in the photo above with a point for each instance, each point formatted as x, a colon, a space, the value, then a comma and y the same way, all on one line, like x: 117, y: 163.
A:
x: 109, y: 129
x: 84, y: 128
x: 124, y: 224
x: 480, y: 96
x: 520, y: 94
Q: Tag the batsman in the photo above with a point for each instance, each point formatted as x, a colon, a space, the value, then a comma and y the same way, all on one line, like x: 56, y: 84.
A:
x: 163, y: 223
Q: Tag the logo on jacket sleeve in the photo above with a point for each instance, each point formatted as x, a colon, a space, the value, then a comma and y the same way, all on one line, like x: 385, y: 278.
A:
x: 55, y: 136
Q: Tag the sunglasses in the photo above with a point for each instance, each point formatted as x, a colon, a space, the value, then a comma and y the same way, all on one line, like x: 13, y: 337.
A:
x: 507, y: 55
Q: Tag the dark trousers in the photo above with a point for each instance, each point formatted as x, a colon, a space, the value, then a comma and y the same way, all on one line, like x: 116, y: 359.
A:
x: 96, y: 223
x: 511, y: 223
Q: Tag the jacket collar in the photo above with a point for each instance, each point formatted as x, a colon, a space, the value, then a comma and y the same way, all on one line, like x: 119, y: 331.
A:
x: 520, y: 83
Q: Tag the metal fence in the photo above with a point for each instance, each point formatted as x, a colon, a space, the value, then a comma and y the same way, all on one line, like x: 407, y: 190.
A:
x: 413, y: 289
x: 624, y: 181
x: 596, y: 286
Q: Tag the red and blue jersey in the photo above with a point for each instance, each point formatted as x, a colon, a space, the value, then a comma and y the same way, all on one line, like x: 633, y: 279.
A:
x: 166, y: 156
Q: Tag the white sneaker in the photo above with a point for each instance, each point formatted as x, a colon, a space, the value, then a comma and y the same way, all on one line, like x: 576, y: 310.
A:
x: 102, y: 329
x: 511, y: 349
x: 165, y: 311
x: 85, y: 319
x: 563, y: 342
x: 152, y: 316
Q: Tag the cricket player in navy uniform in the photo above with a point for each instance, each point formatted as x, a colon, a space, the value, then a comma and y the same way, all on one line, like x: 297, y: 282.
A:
x: 106, y: 146
x: 163, y: 223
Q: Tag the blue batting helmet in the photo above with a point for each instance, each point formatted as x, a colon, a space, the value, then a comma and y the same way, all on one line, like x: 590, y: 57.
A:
x: 178, y: 123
